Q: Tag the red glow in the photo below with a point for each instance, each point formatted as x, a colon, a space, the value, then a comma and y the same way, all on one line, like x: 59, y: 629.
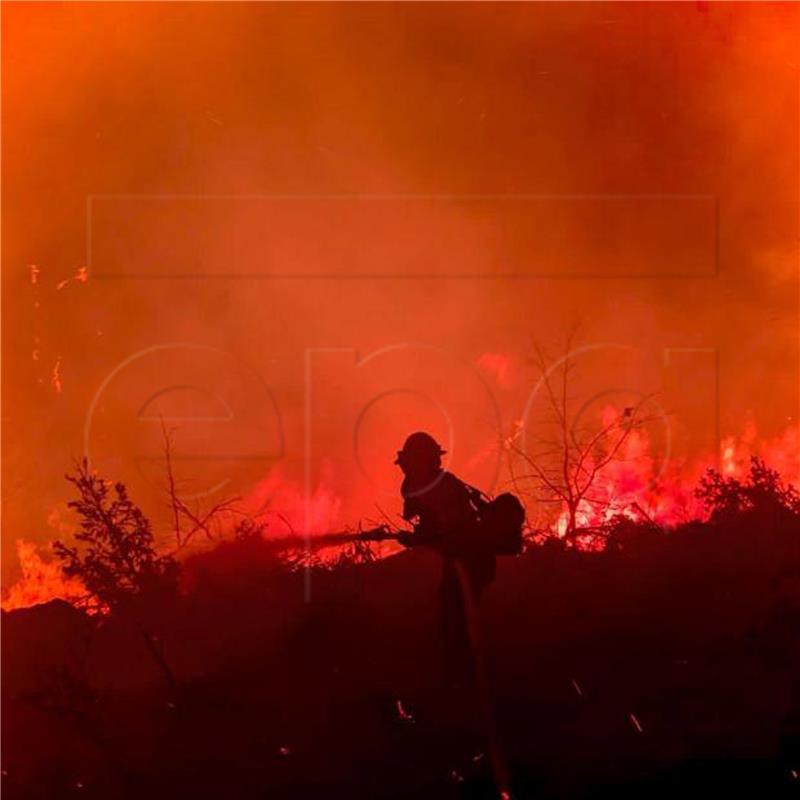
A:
x: 283, y: 504
x: 500, y: 367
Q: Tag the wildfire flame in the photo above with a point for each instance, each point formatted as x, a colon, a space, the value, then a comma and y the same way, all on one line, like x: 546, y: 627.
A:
x: 41, y: 581
x: 637, y: 487
x: 634, y: 486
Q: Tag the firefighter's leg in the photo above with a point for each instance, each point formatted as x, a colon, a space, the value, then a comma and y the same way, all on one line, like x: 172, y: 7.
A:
x: 454, y: 633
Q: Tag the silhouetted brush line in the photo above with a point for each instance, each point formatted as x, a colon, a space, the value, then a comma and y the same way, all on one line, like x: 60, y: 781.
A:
x: 763, y: 491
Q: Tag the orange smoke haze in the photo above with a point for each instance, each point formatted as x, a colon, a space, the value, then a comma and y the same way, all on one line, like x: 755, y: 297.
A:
x: 290, y: 234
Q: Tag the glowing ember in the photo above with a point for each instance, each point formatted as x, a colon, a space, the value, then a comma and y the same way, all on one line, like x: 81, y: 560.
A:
x: 55, y: 378
x: 402, y: 714
x: 34, y: 272
x: 635, y: 722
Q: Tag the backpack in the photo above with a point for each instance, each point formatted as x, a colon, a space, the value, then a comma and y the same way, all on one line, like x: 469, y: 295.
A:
x: 502, y: 520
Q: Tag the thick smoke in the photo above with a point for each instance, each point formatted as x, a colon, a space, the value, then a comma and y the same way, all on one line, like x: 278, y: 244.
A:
x: 310, y: 229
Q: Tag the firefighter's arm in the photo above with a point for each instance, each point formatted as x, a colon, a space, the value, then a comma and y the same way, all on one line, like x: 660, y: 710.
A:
x: 419, y: 537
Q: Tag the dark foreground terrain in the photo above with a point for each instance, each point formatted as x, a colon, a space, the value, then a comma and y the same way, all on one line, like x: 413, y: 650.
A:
x: 665, y: 665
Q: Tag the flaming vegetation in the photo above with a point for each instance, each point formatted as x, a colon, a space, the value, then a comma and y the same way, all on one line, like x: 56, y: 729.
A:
x: 582, y: 482
x: 580, y: 474
x: 115, y: 559
x: 576, y: 466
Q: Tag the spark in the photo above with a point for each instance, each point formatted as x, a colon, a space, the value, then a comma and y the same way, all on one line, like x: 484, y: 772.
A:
x: 577, y: 688
x: 81, y: 275
x: 456, y: 776
x: 635, y: 722
x: 404, y: 715
x: 55, y: 379
x: 517, y: 429
x: 34, y: 270
x: 35, y: 355
x: 284, y: 751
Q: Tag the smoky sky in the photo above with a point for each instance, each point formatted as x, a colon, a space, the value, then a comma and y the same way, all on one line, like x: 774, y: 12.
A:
x: 306, y: 224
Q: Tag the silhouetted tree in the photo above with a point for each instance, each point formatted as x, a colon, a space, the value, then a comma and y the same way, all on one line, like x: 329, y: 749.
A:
x: 116, y: 558
x: 565, y: 465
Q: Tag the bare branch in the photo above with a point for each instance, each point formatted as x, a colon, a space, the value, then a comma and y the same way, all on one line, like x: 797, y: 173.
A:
x: 171, y: 483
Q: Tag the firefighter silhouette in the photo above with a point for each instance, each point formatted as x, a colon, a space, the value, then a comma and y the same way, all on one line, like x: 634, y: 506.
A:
x: 445, y: 513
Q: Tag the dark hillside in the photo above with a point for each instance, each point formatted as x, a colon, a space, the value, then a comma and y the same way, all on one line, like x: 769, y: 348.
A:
x: 671, y: 658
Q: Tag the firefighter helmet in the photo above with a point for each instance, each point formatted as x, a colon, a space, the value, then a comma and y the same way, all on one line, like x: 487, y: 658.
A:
x: 419, y: 446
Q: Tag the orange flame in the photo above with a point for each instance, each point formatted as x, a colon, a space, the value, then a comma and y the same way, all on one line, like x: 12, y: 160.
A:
x: 631, y: 486
x: 635, y: 486
x: 41, y: 581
